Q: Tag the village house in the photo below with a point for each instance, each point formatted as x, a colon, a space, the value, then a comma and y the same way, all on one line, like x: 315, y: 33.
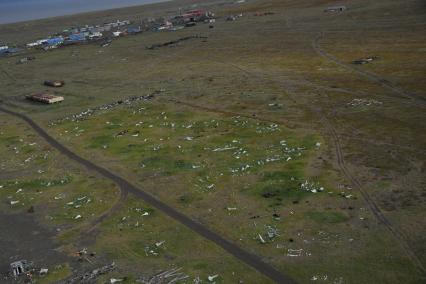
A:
x: 45, y: 98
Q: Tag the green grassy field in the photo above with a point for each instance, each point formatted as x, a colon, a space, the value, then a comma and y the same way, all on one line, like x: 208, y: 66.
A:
x: 240, y: 136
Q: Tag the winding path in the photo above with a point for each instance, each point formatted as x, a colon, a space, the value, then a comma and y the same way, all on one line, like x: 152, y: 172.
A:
x: 250, y: 259
x: 399, y: 236
x: 374, y: 208
x: 370, y: 76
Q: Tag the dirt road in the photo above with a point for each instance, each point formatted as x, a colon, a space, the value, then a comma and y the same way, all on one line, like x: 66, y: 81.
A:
x: 246, y: 257
x: 370, y: 76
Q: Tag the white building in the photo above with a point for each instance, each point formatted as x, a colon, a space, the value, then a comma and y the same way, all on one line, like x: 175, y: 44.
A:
x: 117, y: 33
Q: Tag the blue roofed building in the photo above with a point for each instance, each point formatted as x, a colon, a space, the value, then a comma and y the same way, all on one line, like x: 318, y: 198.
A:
x: 77, y: 37
x: 134, y: 30
x: 55, y: 41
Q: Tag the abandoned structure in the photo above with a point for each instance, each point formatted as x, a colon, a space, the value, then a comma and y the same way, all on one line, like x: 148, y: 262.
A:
x: 55, y: 84
x: 365, y: 60
x: 335, y: 9
x: 19, y: 267
x: 45, y: 98
x: 25, y: 59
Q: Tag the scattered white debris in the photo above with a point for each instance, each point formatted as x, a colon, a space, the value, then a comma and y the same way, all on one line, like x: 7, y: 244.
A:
x: 224, y: 149
x: 319, y: 277
x: 60, y: 196
x: 43, y: 271
x: 77, y: 217
x: 211, y: 278
x: 311, y: 186
x: 294, y: 252
x: 210, y: 186
x: 13, y: 202
x: 363, y: 102
x: 170, y: 276
x: 244, y: 168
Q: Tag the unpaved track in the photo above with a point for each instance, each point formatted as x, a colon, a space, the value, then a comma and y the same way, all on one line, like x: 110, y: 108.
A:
x: 370, y: 76
x: 401, y: 238
x: 399, y: 235
x: 246, y: 257
x: 6, y: 74
x: 224, y: 112
x: 117, y: 206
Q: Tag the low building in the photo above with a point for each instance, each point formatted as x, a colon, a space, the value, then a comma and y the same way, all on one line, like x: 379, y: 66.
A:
x: 25, y: 59
x: 37, y: 43
x: 117, y: 33
x: 95, y: 35
x: 134, y: 30
x: 77, y: 37
x: 54, y: 41
x: 55, y: 84
x: 194, y: 14
x: 9, y: 50
x: 45, y: 98
x: 20, y: 267
x: 335, y: 9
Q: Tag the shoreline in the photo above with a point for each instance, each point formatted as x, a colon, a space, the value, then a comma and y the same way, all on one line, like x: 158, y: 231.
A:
x: 73, y: 14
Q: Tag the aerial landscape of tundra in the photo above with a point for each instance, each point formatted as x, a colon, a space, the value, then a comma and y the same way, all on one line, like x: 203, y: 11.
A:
x: 213, y: 141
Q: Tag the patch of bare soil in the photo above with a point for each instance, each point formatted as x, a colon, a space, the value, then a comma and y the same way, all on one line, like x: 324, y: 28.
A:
x: 21, y: 237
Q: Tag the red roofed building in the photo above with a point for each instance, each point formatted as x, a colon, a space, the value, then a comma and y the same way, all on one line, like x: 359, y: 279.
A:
x: 193, y: 15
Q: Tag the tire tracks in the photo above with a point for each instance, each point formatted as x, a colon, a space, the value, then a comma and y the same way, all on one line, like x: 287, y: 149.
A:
x: 224, y: 112
x: 10, y: 77
x: 370, y: 76
x: 400, y: 237
x: 118, y: 205
x: 248, y: 258
x: 374, y: 208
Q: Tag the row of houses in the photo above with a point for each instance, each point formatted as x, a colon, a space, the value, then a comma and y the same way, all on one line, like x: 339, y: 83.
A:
x: 192, y: 16
x: 78, y: 34
x: 5, y: 50
x: 188, y: 18
x: 97, y: 28
x: 118, y: 28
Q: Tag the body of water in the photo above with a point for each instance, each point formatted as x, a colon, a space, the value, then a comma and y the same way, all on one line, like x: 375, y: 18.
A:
x: 23, y: 10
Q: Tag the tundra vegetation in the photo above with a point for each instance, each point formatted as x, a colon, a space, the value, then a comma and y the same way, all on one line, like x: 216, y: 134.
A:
x: 261, y: 129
